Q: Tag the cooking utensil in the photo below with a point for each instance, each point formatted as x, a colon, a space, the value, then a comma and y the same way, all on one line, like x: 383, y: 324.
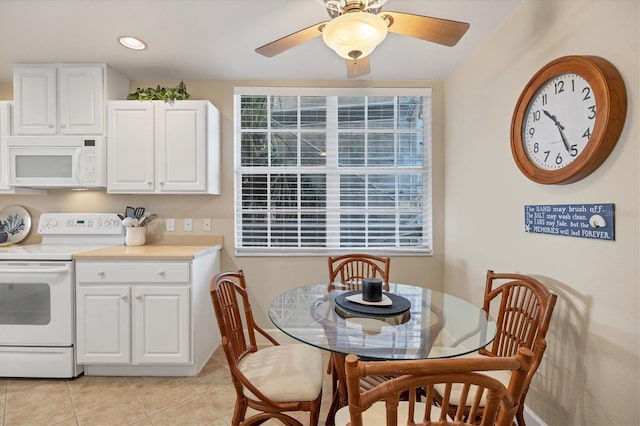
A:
x: 146, y: 219
x: 139, y: 212
x: 130, y: 211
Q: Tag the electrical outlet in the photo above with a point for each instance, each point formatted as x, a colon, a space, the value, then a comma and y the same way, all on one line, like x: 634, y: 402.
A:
x: 188, y: 225
x: 206, y: 224
x: 171, y: 225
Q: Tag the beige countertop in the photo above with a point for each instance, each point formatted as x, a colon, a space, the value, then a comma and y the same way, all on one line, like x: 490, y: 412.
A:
x: 167, y: 250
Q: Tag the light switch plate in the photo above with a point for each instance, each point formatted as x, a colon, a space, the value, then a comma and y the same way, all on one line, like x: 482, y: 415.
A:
x: 171, y: 225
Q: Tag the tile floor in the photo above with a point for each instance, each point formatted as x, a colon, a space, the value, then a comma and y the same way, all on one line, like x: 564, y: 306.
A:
x: 206, y: 399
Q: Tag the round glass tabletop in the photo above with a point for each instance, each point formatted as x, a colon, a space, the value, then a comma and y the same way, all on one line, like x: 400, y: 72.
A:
x: 437, y: 325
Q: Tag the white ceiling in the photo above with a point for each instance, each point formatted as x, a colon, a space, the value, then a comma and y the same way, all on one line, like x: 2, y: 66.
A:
x: 215, y: 39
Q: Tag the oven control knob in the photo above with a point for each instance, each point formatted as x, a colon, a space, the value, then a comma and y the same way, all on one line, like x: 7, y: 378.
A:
x: 52, y: 223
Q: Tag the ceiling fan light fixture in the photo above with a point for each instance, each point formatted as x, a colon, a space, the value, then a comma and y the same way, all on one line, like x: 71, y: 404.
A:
x: 354, y: 35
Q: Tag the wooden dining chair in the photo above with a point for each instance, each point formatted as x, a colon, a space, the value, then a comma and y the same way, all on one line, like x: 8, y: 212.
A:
x: 383, y: 405
x: 346, y: 272
x: 272, y: 379
x: 523, y: 307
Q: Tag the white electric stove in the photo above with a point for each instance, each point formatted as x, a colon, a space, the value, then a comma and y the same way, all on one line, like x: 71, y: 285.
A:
x: 37, y: 294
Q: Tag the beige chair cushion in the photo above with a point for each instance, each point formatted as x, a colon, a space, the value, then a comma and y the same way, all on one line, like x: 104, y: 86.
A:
x: 376, y: 414
x: 285, y: 372
x: 454, y: 399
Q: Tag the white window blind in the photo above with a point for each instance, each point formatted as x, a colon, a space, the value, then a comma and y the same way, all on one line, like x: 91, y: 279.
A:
x: 322, y: 170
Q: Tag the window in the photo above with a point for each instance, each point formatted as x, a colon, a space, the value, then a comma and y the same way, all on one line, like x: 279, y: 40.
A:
x: 321, y: 170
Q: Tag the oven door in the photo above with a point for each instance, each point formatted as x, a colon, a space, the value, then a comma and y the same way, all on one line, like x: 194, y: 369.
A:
x: 36, y: 303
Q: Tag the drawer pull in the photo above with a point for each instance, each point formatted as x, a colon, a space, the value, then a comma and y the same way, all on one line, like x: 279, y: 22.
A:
x: 162, y: 273
x: 101, y: 273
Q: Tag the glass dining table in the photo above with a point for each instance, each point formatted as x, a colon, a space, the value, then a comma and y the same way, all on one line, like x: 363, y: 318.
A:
x: 424, y: 324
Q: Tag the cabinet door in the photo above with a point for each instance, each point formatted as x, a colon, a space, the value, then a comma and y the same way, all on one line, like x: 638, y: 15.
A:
x: 81, y: 98
x: 130, y: 142
x: 4, y: 153
x: 161, y: 325
x: 103, y: 325
x: 34, y: 94
x: 181, y: 156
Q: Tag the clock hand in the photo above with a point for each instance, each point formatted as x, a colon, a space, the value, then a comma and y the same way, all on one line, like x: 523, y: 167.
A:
x: 553, y: 117
x: 560, y: 129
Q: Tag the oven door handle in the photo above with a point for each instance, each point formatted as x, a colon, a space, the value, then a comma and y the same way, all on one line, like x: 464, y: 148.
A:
x: 56, y: 270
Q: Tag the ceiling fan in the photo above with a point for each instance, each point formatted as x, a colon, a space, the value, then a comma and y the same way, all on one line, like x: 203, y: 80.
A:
x: 356, y: 27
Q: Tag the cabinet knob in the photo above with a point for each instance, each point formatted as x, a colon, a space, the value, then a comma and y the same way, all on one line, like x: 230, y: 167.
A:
x: 101, y: 274
x: 124, y: 297
x: 139, y: 297
x: 51, y: 126
x: 162, y: 273
x: 63, y: 126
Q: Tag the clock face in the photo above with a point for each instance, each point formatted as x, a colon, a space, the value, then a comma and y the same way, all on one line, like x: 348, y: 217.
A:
x: 559, y: 121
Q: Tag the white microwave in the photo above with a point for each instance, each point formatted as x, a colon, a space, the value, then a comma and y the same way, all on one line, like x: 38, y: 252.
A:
x: 57, y: 161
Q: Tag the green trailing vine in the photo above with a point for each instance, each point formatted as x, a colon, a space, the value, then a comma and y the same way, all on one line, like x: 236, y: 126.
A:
x: 178, y: 93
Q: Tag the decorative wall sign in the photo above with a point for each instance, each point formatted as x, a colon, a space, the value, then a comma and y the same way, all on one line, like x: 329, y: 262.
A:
x: 572, y: 220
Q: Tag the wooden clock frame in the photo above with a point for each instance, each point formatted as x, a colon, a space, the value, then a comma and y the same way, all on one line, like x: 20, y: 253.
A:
x: 611, y: 110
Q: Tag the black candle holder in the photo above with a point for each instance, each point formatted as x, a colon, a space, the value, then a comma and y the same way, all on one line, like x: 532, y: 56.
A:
x: 372, y: 289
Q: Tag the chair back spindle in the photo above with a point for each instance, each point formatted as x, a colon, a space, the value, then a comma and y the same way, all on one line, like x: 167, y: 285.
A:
x: 349, y: 270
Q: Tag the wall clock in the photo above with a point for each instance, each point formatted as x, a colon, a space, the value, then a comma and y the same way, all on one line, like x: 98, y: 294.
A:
x: 568, y: 119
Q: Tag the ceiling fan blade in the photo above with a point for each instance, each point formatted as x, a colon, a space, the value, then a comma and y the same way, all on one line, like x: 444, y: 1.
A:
x: 292, y: 40
x: 436, y: 30
x: 358, y: 67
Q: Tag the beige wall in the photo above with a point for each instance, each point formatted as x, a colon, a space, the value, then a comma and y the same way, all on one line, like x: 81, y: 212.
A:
x: 267, y: 276
x: 590, y: 372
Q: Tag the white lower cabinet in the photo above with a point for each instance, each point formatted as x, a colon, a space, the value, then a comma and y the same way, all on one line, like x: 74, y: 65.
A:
x: 139, y: 324
x: 145, y: 317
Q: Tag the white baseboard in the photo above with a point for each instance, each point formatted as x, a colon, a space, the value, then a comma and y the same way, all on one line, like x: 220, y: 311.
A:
x: 532, y: 418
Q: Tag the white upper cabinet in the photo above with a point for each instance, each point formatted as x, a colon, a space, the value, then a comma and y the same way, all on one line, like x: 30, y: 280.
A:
x: 163, y: 147
x: 130, y: 147
x: 67, y: 99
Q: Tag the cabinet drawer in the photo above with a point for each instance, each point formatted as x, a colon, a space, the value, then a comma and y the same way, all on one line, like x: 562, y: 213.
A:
x: 132, y: 272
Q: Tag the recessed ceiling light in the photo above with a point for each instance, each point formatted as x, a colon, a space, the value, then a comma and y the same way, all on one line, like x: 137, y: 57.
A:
x: 132, y: 43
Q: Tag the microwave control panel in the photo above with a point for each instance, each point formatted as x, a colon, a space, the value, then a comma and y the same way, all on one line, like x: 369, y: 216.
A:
x: 93, y: 170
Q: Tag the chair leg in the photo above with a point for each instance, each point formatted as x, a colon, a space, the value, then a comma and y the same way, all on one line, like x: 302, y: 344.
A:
x: 239, y: 411
x: 520, y: 415
x: 314, y: 414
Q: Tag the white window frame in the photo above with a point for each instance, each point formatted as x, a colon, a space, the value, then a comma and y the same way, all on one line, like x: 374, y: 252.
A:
x: 426, y: 171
